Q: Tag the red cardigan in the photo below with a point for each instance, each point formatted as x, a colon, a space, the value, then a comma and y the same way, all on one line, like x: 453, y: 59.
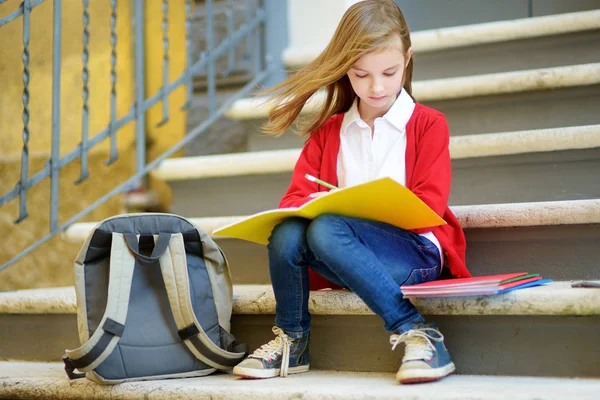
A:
x: 428, y: 175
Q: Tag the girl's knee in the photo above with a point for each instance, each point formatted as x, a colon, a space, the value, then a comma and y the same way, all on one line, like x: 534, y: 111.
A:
x: 327, y: 230
x: 288, y: 235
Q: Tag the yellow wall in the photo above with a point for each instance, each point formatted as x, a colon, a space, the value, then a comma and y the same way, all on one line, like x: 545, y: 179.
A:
x: 40, y: 86
x: 164, y: 137
x: 52, y: 263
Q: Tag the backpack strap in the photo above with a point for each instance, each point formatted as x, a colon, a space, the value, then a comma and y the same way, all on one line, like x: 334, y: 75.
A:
x: 110, y: 329
x: 173, y: 265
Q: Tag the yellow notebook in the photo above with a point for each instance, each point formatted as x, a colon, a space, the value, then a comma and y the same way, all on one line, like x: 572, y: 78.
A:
x: 383, y: 200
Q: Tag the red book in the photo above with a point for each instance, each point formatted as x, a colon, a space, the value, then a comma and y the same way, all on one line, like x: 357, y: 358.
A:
x: 476, y: 286
x: 478, y: 281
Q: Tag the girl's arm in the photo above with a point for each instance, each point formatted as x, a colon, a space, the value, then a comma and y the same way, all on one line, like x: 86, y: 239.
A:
x: 432, y: 172
x: 309, y: 162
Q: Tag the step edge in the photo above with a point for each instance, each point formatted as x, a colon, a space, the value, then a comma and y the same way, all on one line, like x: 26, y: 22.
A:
x: 430, y: 40
x: 509, y: 215
x: 454, y: 88
x: 461, y: 147
x: 42, y: 380
x: 554, y: 299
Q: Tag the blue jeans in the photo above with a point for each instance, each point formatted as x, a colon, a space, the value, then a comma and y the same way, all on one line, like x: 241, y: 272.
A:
x: 372, y: 259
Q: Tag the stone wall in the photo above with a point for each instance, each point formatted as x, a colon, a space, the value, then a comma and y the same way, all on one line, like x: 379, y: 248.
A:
x: 225, y: 136
x: 239, y: 14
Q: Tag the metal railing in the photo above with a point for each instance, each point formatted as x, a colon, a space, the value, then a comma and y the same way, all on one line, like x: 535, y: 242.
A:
x: 259, y: 31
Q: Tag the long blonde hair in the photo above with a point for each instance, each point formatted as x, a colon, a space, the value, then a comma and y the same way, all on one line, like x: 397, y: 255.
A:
x: 366, y: 26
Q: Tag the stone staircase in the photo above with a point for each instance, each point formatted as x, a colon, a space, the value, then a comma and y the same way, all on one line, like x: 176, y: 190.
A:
x: 502, y: 335
x: 47, y: 382
x: 487, y: 168
x: 513, y: 237
x: 521, y: 98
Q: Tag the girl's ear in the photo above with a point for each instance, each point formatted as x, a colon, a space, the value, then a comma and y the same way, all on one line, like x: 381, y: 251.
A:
x: 409, y: 54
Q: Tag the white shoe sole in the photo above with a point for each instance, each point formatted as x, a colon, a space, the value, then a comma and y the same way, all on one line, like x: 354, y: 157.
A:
x: 424, y: 375
x: 267, y: 373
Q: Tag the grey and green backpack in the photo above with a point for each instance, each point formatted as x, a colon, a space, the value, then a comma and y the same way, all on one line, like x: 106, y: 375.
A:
x: 154, y: 300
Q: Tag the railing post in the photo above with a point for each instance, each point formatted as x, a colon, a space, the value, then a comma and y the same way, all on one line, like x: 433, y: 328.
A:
x: 254, y: 42
x: 230, y: 29
x: 210, y: 45
x: 113, y: 83
x: 55, y: 152
x: 530, y: 8
x: 276, y: 38
x: 189, y: 87
x: 85, y: 111
x: 140, y: 89
x: 165, y: 94
x: 25, y: 152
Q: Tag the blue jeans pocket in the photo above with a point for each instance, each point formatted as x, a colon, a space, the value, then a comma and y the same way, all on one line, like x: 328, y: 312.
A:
x: 422, y: 275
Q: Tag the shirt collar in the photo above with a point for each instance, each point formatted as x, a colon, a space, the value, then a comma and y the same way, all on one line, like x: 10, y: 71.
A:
x: 401, y: 111
x: 351, y: 116
x: 398, y: 114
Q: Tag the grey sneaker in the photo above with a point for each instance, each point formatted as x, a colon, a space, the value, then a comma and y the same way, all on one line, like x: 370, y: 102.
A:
x: 280, y: 357
x: 426, y: 358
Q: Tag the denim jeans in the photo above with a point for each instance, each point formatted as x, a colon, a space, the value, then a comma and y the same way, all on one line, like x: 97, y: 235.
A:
x: 372, y: 259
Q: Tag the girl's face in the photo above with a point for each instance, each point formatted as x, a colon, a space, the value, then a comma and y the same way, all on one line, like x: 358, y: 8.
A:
x: 377, y: 79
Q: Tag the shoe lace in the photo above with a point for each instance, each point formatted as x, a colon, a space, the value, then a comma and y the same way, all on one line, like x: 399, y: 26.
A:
x: 278, y: 346
x: 419, y: 343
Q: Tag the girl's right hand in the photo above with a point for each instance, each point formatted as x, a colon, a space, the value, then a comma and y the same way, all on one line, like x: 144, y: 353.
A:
x: 317, y: 194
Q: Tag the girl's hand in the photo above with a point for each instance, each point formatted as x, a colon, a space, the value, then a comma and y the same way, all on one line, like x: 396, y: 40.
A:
x: 317, y: 194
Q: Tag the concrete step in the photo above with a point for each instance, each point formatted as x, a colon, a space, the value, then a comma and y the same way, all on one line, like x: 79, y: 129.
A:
x: 487, y: 35
x: 554, y: 164
x: 502, y: 46
x: 456, y: 88
x: 346, y: 335
x: 499, y: 102
x: 558, y: 239
x: 530, y: 53
x: 20, y: 380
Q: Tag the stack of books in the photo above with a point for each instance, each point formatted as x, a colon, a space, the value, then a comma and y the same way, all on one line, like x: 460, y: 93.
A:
x: 476, y: 286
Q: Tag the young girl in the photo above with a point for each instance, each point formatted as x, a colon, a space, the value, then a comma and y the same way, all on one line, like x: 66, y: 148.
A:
x: 368, y: 128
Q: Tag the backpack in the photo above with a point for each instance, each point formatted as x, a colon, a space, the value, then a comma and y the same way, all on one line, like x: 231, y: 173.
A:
x: 154, y: 301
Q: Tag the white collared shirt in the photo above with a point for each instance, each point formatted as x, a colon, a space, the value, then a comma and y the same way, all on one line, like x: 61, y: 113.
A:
x: 365, y: 156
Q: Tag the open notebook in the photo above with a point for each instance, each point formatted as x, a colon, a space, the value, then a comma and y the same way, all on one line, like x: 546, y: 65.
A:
x: 383, y: 200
